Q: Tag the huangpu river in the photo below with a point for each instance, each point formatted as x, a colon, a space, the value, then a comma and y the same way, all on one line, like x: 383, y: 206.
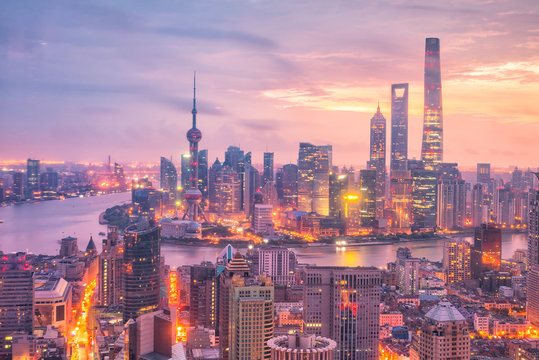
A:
x: 37, y: 228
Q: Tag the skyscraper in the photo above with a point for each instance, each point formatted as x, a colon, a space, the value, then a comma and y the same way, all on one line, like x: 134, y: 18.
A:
x: 169, y: 175
x: 110, y: 269
x: 451, y: 212
x: 263, y: 219
x: 141, y: 277
x: 275, y: 262
x: 227, y: 191
x: 532, y: 309
x: 214, y: 181
x: 401, y: 199
x: 424, y: 187
x: 314, y: 164
x: 193, y: 195
x: 487, y: 250
x: 203, y: 173
x: 457, y: 260
x: 232, y: 156
x: 251, y: 318
x: 399, y: 127
x: 443, y: 335
x: 268, y: 167
x: 377, y: 160
x: 432, y: 145
x: 236, y: 267
x: 185, y: 170
x: 407, y: 268
x: 18, y: 186
x: 477, y: 206
x: 483, y: 173
x: 367, y: 186
x: 338, y: 187
x: 203, y: 295
x: 32, y: 177
x: 16, y: 300
x: 533, y: 229
x: 169, y: 179
x: 290, y: 185
x: 343, y: 304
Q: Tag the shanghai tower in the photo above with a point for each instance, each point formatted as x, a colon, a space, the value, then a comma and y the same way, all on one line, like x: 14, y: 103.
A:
x: 432, y: 145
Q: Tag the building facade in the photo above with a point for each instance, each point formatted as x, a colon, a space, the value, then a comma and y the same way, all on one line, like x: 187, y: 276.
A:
x: 377, y: 158
x: 432, y: 145
x: 457, y: 260
x: 443, y: 335
x: 16, y: 300
x: 141, y: 275
x: 343, y: 304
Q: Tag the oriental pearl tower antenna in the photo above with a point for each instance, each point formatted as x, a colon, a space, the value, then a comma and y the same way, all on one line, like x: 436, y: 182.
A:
x: 193, y: 195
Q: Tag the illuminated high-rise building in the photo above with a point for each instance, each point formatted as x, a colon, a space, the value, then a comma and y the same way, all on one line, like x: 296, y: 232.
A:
x: 533, y: 228
x: 251, y: 318
x: 290, y: 185
x: 193, y: 195
x: 169, y: 179
x: 377, y: 160
x: 314, y: 164
x: 457, y: 260
x: 251, y: 183
x: 18, y: 186
x: 401, y: 199
x: 214, y: 181
x: 451, y: 212
x: 532, y: 309
x: 141, y: 276
x: 424, y: 186
x: 203, y: 173
x: 443, y: 335
x: 432, y: 145
x: 338, y: 187
x: 233, y: 154
x: 185, y: 173
x: 323, y: 165
x: 169, y: 175
x: 400, y: 177
x: 110, y: 269
x: 483, y: 173
x: 407, y: 269
x: 343, y: 303
x: 32, y: 177
x: 399, y: 127
x: 479, y: 211
x: 16, y: 300
x: 203, y: 295
x: 268, y: 167
x: 367, y: 187
x: 48, y: 181
x: 236, y: 268
x: 487, y: 250
x: 225, y: 194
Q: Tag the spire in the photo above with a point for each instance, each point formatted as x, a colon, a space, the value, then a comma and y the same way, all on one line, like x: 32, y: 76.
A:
x: 194, y: 99
x: 378, y: 110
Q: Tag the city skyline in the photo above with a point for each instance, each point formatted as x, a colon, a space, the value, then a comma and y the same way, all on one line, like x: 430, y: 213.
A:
x: 95, y: 84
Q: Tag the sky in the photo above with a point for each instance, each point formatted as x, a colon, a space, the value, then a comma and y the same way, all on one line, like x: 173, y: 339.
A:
x: 83, y: 80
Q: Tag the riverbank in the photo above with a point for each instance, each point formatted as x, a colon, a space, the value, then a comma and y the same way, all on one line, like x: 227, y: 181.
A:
x: 239, y: 243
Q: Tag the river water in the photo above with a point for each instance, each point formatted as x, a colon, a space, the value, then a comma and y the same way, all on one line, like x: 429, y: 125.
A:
x: 38, y: 227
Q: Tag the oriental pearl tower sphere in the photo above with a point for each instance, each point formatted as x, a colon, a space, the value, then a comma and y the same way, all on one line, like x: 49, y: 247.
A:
x: 193, y: 194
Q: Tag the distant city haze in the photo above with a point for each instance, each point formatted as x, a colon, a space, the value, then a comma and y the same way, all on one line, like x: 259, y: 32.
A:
x: 80, y: 81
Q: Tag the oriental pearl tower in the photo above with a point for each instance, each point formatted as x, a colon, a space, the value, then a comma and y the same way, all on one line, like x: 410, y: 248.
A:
x: 194, y: 211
